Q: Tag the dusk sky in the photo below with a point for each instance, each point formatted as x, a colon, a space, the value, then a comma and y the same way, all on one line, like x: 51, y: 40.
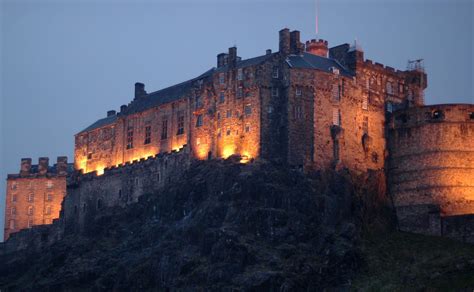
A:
x: 65, y: 63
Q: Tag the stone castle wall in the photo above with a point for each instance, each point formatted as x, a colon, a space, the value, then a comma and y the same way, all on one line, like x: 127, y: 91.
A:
x: 432, y: 160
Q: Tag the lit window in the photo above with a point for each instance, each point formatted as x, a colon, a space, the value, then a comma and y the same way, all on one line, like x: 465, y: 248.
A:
x: 221, y: 97
x: 130, y: 138
x: 30, y: 210
x: 274, y: 91
x: 275, y: 72
x: 31, y: 197
x: 221, y: 78
x: 298, y: 91
x: 365, y: 125
x: 164, y: 129
x: 180, y: 125
x: 240, y: 74
x: 47, y: 210
x: 198, y: 102
x: 49, y: 197
x: 248, y: 110
x: 199, y: 121
x: 229, y: 114
x: 147, y: 135
x: 336, y: 117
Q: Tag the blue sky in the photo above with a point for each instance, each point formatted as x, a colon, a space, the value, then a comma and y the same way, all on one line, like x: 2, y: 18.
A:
x: 65, y: 63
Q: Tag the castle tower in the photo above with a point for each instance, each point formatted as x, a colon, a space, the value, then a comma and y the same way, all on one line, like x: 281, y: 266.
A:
x: 317, y: 47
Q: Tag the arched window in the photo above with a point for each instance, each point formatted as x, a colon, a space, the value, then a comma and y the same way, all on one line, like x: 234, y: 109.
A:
x: 30, y: 210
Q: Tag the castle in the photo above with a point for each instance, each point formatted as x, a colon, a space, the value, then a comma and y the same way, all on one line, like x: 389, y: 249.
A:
x: 308, y: 106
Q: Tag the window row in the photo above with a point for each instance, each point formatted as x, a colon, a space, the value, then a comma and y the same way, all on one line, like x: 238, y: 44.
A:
x: 31, y: 198
x: 228, y: 131
x: 30, y: 210
x: 49, y: 184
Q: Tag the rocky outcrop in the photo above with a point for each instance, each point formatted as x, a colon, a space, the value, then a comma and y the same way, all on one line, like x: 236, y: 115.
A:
x: 224, y: 226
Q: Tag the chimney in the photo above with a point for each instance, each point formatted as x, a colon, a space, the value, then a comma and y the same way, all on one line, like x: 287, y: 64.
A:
x: 111, y: 113
x: 232, y: 56
x: 284, y: 44
x: 123, y: 108
x: 221, y: 60
x: 61, y: 165
x: 43, y: 165
x: 139, y: 90
x: 295, y: 44
x: 25, y: 166
x: 268, y: 52
x: 317, y: 47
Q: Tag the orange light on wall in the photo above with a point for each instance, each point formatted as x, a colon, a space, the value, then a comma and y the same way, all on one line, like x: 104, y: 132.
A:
x: 228, y: 151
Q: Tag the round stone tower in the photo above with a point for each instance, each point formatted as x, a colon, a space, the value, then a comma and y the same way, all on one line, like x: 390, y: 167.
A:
x: 431, y: 163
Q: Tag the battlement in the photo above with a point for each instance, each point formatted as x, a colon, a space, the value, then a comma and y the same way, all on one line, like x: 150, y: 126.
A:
x: 317, y: 47
x: 28, y: 170
x: 439, y: 113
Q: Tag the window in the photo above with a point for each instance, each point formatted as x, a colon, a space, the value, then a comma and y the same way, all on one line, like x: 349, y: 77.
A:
x: 14, y: 185
x: 228, y: 132
x: 336, y: 93
x: 199, y: 121
x: 365, y: 102
x: 31, y: 197
x: 274, y: 91
x: 298, y: 91
x: 221, y: 78
x: 247, y: 128
x: 89, y: 156
x: 13, y: 211
x: 336, y: 150
x: 164, y: 129
x: 471, y: 115
x: 221, y: 97
x: 13, y: 198
x: 336, y: 117
x: 248, y: 110
x: 400, y: 88
x: 49, y: 184
x: 389, y: 88
x: 229, y: 114
x: 49, y: 197
x: 30, y: 222
x: 240, y: 74
x: 47, y: 210
x: 219, y: 134
x: 343, y: 87
x: 12, y: 224
x: 297, y: 112
x: 275, y: 72
x: 365, y: 125
x: 147, y: 135
x: 30, y: 210
x: 198, y: 141
x: 198, y: 102
x: 240, y: 92
x: 130, y: 138
x: 180, y: 125
x: 389, y: 107
x: 437, y: 115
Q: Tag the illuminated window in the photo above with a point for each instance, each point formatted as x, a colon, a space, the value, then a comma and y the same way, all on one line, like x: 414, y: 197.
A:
x: 198, y: 102
x: 49, y: 184
x: 130, y: 138
x: 365, y: 125
x: 229, y: 114
x: 298, y: 91
x: 199, y: 121
x: 12, y: 224
x: 247, y: 128
x: 274, y: 91
x: 13, y: 211
x: 180, y: 125
x: 221, y: 78
x: 336, y: 117
x: 240, y: 92
x: 49, y: 197
x: 221, y: 97
x: 47, y: 210
x: 31, y: 197
x: 14, y: 185
x: 30, y: 210
x: 240, y: 74
x: 228, y: 132
x: 164, y: 129
x: 248, y: 110
x: 365, y: 102
x: 147, y: 135
x: 275, y: 72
